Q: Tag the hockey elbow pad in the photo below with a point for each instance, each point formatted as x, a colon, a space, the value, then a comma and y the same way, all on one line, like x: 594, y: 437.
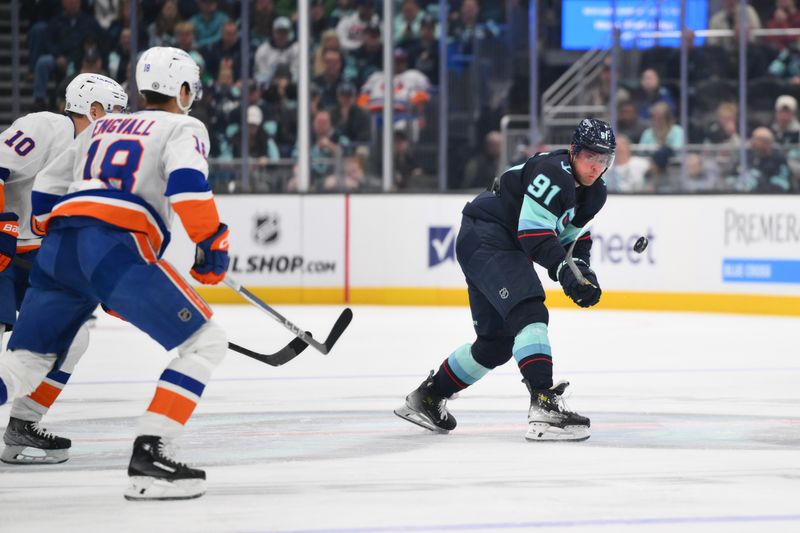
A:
x: 211, y: 257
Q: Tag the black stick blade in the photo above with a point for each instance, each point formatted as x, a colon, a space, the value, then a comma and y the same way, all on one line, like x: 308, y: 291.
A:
x: 284, y: 355
x: 338, y: 328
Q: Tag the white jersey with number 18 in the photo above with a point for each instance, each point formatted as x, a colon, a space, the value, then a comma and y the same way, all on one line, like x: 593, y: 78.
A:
x: 133, y: 172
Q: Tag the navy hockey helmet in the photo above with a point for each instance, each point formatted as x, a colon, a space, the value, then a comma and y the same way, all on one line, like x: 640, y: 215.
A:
x: 595, y: 135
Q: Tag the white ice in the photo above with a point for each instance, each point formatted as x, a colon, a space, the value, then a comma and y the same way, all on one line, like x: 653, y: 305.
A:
x: 695, y: 420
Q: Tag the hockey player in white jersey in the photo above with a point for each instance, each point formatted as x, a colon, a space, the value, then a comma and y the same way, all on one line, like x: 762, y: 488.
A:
x: 26, y: 148
x: 106, y: 205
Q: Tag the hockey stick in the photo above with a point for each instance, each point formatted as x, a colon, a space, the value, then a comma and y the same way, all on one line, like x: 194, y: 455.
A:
x: 571, y: 261
x: 304, y: 336
x: 284, y: 355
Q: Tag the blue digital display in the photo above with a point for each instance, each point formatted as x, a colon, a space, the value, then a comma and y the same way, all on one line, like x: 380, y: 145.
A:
x: 586, y: 24
x: 761, y: 270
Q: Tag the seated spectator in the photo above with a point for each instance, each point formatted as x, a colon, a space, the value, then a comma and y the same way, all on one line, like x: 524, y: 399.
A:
x: 261, y: 146
x: 225, y: 100
x: 353, y: 177
x: 262, y: 19
x: 411, y: 93
x: 64, y: 44
x: 124, y: 21
x: 481, y: 168
x: 368, y: 58
x: 598, y: 93
x: 786, y: 65
x: 651, y: 92
x: 629, y: 172
x: 120, y: 57
x: 327, y: 149
x: 467, y: 31
x: 208, y: 23
x: 330, y: 79
x: 662, y: 131
x: 351, y: 27
x: 725, y: 129
x: 423, y: 53
x: 727, y: 18
x: 342, y: 9
x: 281, y: 106
x: 786, y: 16
x: 349, y: 118
x: 628, y: 121
x: 786, y: 129
x: 319, y: 22
x: 406, y: 168
x: 105, y: 12
x: 702, y: 173
x: 280, y: 50
x: 161, y: 32
x: 407, y: 23
x: 328, y: 41
x: 767, y: 170
x: 184, y: 39
x: 228, y: 47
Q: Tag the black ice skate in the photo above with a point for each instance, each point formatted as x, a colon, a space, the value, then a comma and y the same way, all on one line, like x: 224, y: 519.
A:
x: 427, y: 409
x: 154, y: 475
x: 549, y: 419
x: 29, y: 444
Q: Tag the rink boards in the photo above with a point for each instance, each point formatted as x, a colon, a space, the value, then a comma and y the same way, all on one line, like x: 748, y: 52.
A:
x: 736, y: 254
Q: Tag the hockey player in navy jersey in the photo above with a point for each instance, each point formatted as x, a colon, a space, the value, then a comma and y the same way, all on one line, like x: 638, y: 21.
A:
x: 26, y: 148
x: 533, y: 212
x: 106, y: 204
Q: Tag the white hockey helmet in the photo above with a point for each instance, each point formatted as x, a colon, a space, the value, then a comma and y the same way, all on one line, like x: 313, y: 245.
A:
x: 163, y: 69
x: 86, y: 89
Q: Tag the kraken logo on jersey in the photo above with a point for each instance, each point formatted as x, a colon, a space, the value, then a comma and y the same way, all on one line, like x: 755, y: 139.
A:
x: 266, y: 229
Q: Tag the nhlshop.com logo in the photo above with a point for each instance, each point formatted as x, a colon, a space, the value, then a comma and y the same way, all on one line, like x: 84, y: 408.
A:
x: 279, y: 264
x: 441, y: 244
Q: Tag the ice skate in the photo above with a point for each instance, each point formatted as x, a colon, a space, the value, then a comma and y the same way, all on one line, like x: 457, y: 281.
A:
x: 427, y: 409
x: 28, y: 443
x: 549, y: 419
x: 154, y: 475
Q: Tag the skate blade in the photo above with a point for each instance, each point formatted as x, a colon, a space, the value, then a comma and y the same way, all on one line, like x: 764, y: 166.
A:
x: 414, y: 417
x: 142, y: 488
x: 547, y: 432
x: 27, y: 455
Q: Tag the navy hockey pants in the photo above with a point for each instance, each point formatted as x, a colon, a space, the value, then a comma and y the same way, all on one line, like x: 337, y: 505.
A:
x: 80, y: 267
x: 499, y: 276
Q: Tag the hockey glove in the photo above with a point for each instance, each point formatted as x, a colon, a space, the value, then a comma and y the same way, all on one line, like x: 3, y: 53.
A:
x: 583, y: 295
x: 211, y: 258
x: 9, y: 231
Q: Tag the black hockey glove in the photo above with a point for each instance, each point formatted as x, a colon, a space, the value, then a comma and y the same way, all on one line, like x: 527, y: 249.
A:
x: 583, y: 295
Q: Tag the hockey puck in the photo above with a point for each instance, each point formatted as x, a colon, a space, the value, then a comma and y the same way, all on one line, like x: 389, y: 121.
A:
x: 640, y: 245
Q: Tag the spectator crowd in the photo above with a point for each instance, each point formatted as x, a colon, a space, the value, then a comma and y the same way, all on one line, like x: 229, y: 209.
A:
x: 68, y: 37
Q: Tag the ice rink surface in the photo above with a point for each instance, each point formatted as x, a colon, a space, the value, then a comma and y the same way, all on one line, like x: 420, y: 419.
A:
x: 695, y: 421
